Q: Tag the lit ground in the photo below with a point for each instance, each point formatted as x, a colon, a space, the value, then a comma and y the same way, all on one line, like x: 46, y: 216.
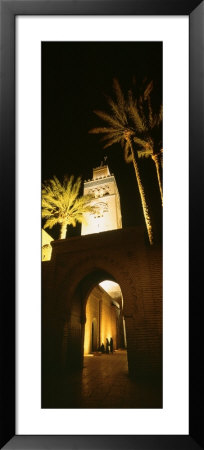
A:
x: 104, y: 383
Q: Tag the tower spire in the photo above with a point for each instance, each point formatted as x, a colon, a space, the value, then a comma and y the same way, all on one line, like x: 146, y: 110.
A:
x: 104, y: 189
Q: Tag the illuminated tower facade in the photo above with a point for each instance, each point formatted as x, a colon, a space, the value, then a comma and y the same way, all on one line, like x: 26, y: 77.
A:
x: 107, y: 200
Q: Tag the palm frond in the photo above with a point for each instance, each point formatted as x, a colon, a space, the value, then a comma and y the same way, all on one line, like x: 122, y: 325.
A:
x: 47, y: 213
x: 150, y: 112
x: 120, y: 98
x: 50, y: 223
x: 134, y: 114
x: 145, y: 153
x: 61, y: 202
x: 117, y: 111
x: 108, y: 118
x: 116, y: 134
x: 114, y: 140
x: 148, y: 90
x: 141, y: 110
x: 131, y: 118
x: 101, y: 130
x: 140, y: 142
x: 159, y: 116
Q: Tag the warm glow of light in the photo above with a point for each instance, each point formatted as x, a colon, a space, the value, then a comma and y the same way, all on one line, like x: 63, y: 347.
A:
x: 88, y: 330
x: 106, y: 198
x: 87, y: 339
x: 105, y: 333
x: 101, y: 317
x: 112, y: 288
x: 46, y: 246
x: 105, y: 221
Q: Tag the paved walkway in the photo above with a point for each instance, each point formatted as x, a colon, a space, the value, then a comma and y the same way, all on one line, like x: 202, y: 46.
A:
x: 104, y: 383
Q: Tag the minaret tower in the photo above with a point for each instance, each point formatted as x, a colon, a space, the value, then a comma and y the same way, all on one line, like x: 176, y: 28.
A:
x: 106, y: 197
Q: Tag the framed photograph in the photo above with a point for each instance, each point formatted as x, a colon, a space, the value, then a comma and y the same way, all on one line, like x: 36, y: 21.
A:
x: 102, y: 340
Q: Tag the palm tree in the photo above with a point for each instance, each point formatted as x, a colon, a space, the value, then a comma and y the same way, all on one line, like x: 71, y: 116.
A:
x: 148, y: 130
x: 120, y: 130
x: 62, y: 205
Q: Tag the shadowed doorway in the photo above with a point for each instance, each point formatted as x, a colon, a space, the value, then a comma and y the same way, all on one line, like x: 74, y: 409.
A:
x: 104, y: 319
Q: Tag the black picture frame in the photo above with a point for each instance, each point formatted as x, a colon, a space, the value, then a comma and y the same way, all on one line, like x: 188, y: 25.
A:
x: 9, y: 9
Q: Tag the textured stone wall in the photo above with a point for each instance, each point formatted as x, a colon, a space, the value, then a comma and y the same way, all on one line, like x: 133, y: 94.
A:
x: 108, y: 321
x: 92, y: 314
x: 46, y: 246
x: 79, y: 264
x: 99, y: 308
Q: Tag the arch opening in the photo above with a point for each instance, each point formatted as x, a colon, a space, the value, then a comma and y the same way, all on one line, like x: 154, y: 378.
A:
x: 95, y: 316
x: 104, y: 319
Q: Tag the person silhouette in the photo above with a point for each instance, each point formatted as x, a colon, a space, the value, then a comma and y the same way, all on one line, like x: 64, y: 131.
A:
x: 107, y: 345
x: 111, y: 345
x: 102, y: 348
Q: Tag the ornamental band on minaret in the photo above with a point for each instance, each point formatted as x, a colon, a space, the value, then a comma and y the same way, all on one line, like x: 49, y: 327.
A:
x: 104, y: 189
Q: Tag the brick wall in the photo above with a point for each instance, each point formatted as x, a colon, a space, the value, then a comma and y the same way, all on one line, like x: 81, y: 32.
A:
x: 79, y: 264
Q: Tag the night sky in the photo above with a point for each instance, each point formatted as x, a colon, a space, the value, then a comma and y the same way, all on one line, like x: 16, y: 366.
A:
x: 76, y: 77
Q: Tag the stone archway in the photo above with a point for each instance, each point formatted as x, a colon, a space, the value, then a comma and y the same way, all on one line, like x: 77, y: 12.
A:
x: 76, y: 267
x: 74, y: 295
x: 75, y: 313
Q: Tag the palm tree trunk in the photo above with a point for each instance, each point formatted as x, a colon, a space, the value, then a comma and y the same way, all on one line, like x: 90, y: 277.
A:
x: 63, y: 231
x: 157, y: 164
x: 142, y: 196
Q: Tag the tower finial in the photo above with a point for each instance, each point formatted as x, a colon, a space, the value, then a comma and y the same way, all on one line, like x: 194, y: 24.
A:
x: 104, y: 161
